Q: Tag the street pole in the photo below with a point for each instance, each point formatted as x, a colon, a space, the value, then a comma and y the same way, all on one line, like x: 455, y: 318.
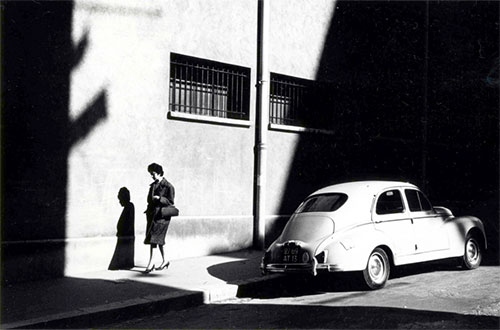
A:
x: 261, y: 124
x: 425, y: 112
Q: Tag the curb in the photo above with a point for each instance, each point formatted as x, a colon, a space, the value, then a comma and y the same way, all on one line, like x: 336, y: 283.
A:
x: 133, y: 308
x: 108, y: 313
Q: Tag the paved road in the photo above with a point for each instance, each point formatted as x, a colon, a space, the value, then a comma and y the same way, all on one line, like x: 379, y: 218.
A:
x: 430, y: 296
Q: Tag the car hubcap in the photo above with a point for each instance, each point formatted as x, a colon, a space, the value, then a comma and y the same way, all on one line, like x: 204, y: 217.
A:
x: 472, y: 251
x: 376, y: 268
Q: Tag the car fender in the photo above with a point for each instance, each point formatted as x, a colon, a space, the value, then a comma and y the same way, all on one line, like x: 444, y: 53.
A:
x: 350, y: 249
x: 458, y: 228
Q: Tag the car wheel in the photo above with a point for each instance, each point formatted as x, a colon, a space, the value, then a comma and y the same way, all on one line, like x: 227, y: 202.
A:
x: 472, y: 253
x: 377, y: 269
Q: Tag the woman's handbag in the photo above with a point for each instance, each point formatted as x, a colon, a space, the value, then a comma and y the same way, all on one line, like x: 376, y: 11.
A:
x: 169, y: 211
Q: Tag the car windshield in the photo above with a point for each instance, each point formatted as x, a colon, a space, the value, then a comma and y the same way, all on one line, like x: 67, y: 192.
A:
x: 323, y: 203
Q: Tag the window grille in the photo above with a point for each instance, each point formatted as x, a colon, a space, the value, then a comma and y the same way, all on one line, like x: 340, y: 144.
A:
x: 287, y: 99
x: 301, y: 102
x: 209, y: 88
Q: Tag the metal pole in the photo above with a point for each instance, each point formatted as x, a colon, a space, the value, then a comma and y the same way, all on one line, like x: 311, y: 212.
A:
x: 262, y: 122
x: 425, y: 113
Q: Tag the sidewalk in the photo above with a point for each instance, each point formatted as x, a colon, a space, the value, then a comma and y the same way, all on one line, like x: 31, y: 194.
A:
x: 97, y: 298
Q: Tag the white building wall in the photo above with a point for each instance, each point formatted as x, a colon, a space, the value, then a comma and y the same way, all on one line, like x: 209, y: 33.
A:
x: 211, y: 166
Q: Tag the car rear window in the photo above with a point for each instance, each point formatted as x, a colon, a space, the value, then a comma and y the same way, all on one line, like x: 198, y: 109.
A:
x: 323, y: 203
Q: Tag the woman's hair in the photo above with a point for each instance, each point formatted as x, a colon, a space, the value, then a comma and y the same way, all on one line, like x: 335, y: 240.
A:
x: 124, y: 194
x: 155, y: 168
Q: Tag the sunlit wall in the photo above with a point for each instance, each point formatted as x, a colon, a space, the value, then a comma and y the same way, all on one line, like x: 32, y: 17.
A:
x: 121, y: 86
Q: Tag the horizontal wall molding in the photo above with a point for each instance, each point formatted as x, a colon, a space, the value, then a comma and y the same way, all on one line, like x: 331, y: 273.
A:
x: 58, y: 240
x: 207, y: 119
x: 213, y: 217
x: 107, y: 8
x: 139, y: 232
x: 299, y: 129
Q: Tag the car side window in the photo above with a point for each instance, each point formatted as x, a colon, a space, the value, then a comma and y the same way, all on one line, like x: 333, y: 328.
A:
x: 424, y: 202
x: 390, y: 202
x: 413, y: 201
x: 417, y: 201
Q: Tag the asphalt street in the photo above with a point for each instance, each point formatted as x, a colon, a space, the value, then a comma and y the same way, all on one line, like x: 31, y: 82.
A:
x: 437, y: 296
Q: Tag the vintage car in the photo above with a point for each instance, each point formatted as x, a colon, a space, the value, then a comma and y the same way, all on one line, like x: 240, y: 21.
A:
x: 371, y: 226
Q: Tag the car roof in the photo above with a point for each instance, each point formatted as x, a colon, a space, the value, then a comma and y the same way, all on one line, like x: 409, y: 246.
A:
x: 363, y: 187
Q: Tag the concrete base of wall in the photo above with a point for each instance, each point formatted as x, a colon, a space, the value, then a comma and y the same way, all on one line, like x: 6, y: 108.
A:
x: 32, y: 260
x: 186, y: 237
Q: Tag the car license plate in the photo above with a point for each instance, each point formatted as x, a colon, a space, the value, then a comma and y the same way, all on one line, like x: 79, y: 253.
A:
x: 291, y: 254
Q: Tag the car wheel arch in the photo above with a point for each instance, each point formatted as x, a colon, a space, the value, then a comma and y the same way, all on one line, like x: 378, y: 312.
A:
x: 479, y: 236
x: 387, y: 251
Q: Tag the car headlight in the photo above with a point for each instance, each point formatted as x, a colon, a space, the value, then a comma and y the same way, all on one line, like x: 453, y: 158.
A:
x: 305, y: 257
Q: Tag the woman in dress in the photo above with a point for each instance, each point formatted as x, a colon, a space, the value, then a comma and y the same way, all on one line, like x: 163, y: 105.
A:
x: 161, y: 194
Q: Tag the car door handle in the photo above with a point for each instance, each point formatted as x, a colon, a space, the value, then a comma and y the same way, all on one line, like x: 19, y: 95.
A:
x: 411, y: 221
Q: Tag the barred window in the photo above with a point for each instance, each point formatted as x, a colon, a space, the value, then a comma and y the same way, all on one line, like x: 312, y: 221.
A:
x: 287, y: 99
x: 301, y: 102
x: 209, y: 88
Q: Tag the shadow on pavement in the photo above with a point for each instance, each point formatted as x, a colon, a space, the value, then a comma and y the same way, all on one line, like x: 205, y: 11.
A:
x: 294, y: 285
x: 272, y: 316
x: 81, y: 303
x: 284, y: 286
x: 231, y: 272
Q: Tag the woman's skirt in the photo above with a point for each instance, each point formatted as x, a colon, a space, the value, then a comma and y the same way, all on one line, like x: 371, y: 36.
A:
x: 157, y: 231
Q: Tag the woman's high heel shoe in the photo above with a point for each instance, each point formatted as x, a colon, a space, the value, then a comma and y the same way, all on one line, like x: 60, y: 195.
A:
x: 164, y: 266
x: 147, y: 271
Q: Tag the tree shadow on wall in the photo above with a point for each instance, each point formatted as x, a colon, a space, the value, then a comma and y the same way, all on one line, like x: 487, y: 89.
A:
x: 38, y: 57
x: 404, y: 79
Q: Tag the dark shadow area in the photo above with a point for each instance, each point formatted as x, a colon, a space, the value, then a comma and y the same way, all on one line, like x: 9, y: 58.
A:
x: 347, y: 282
x: 36, y: 66
x: 414, y: 97
x: 95, y: 112
x: 372, y: 61
x: 306, y: 285
x: 40, y: 299
x: 230, y: 272
x: 38, y: 56
x: 278, y: 316
x: 463, y: 98
x: 292, y: 285
x: 123, y: 257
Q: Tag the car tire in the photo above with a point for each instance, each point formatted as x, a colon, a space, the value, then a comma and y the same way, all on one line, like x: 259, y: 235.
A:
x: 473, y: 254
x: 377, y: 270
